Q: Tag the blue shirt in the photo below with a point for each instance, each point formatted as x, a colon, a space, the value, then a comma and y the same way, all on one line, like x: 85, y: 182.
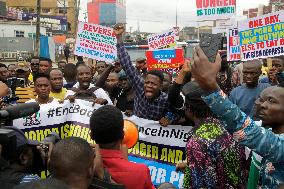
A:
x: 153, y: 109
x: 245, y: 97
x: 264, y: 142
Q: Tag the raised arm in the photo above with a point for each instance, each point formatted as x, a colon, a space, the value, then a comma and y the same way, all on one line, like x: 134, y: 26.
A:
x: 101, y: 81
x: 134, y: 77
x: 244, y: 129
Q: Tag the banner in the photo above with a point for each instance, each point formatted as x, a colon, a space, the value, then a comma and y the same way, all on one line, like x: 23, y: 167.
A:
x: 167, y: 39
x: 96, y: 42
x: 233, y: 45
x: 215, y: 9
x: 166, y: 60
x: 160, y: 148
x: 262, y: 37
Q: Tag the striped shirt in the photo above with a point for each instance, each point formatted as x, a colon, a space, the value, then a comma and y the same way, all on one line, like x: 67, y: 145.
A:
x: 25, y: 93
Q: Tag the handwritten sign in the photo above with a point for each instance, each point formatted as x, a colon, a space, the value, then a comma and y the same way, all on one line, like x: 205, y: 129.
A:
x: 167, y: 60
x: 163, y: 40
x: 233, y: 45
x: 262, y: 37
x: 96, y: 42
x: 215, y: 9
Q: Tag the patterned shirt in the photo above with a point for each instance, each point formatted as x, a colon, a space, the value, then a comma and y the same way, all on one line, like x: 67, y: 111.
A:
x: 264, y: 142
x: 215, y: 160
x: 153, y: 109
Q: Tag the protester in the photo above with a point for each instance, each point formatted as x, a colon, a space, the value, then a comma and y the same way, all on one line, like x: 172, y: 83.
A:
x: 4, y: 74
x: 72, y: 161
x: 255, y: 165
x: 12, y: 70
x: 167, y: 82
x: 117, y: 66
x: 106, y: 125
x: 4, y: 89
x: 112, y: 80
x: 56, y: 80
x: 239, y: 69
x: 141, y: 66
x: 26, y: 91
x: 225, y: 75
x: 274, y: 74
x: 34, y: 65
x: 42, y: 89
x: 245, y: 95
x: 84, y: 78
x: 98, y: 70
x: 268, y: 144
x: 23, y: 167
x: 61, y: 65
x: 66, y: 53
x: 214, y: 159
x: 149, y: 101
x: 45, y: 65
x: 70, y: 75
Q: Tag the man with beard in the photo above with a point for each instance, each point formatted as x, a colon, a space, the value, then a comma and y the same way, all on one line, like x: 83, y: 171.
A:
x: 56, y: 81
x: 83, y: 89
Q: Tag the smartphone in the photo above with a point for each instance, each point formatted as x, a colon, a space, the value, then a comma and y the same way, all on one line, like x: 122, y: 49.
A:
x: 211, y: 44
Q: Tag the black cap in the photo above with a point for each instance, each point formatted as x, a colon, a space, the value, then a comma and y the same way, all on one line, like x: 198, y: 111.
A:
x: 21, y: 138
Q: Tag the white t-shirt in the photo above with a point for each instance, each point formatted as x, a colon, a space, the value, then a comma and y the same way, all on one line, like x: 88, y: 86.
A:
x: 100, y: 93
x: 54, y: 101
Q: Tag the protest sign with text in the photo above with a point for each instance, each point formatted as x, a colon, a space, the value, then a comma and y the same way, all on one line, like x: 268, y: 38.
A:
x: 166, y: 39
x: 262, y: 37
x: 153, y: 148
x: 166, y: 60
x: 215, y: 9
x: 96, y: 42
x: 233, y: 45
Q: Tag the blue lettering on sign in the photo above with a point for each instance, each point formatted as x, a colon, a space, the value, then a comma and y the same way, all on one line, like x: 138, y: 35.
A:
x: 164, y: 54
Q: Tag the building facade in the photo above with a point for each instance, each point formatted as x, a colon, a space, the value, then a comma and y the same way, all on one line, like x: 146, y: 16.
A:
x: 274, y: 5
x: 106, y: 12
x: 50, y: 9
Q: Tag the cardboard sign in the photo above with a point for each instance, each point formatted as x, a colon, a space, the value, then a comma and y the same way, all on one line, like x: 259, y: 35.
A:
x: 167, y: 39
x: 167, y: 60
x: 96, y: 42
x: 262, y: 37
x: 215, y: 9
x: 233, y: 45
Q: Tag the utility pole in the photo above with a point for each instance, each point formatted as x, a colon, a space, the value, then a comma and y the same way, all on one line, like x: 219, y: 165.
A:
x: 37, y: 50
x: 177, y: 13
x: 65, y: 11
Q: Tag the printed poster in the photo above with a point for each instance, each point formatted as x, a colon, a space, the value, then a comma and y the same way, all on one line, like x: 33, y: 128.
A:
x: 159, y: 148
x: 163, y: 40
x: 166, y: 60
x: 233, y: 45
x: 96, y: 42
x: 262, y: 36
x: 215, y: 9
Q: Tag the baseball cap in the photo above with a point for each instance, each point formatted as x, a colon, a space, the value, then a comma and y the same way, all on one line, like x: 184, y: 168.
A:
x: 22, y: 66
x: 21, y: 138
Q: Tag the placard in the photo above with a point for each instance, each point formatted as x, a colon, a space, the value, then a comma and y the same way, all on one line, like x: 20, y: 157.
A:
x: 233, y: 45
x: 96, y: 42
x: 166, y: 39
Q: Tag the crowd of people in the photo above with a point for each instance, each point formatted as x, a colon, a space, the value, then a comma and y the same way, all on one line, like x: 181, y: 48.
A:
x: 237, y: 114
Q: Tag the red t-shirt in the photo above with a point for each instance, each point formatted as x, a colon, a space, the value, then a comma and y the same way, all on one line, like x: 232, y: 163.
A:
x: 131, y: 175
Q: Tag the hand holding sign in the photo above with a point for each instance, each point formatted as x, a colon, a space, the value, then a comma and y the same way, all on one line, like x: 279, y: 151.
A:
x: 204, y: 71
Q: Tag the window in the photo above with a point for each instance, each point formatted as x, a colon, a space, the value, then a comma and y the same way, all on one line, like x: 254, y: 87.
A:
x: 46, y: 10
x: 62, y: 10
x: 19, y: 33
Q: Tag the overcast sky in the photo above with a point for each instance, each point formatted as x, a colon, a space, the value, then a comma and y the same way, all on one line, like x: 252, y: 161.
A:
x: 159, y: 15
